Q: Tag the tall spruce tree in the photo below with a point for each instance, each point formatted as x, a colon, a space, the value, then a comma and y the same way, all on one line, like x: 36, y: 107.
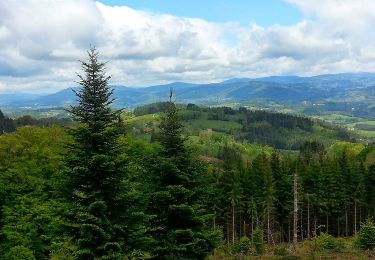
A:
x: 101, y: 221
x: 181, y: 225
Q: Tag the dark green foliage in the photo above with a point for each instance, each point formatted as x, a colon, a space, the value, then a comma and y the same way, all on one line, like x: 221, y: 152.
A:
x: 242, y: 246
x: 151, y: 108
x: 6, y: 124
x: 181, y: 230
x: 369, y: 180
x: 28, y: 120
x: 311, y: 148
x: 100, y: 218
x: 257, y: 241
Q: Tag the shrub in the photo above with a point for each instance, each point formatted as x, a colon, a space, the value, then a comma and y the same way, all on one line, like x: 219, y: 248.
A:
x: 242, y: 246
x: 326, y: 241
x: 365, y: 238
x: 19, y: 253
x: 280, y: 251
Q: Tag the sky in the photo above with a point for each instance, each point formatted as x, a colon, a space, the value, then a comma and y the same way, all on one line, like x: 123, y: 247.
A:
x: 149, y: 42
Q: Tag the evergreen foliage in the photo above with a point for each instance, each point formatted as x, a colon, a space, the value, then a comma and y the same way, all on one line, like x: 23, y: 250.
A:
x: 101, y: 219
x: 366, y: 237
x: 88, y: 191
x: 180, y: 223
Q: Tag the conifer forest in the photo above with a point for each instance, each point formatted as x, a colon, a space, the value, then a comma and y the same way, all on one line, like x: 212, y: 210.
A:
x: 174, y: 180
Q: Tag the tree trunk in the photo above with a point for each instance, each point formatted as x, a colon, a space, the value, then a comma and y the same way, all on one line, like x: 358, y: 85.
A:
x: 308, y: 216
x: 233, y: 227
x: 327, y: 224
x: 240, y: 229
x: 315, y: 221
x: 301, y: 224
x: 228, y: 238
x: 295, y: 211
x: 244, y: 228
x: 346, y: 221
x: 355, y: 216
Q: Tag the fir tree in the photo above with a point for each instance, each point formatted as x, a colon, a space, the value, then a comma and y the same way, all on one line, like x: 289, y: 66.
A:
x: 101, y: 221
x: 180, y: 224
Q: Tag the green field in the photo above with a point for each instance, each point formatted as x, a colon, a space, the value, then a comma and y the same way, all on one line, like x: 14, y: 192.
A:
x: 215, y: 125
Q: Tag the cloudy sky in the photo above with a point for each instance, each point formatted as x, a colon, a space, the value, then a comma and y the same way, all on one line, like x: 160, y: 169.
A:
x: 157, y: 41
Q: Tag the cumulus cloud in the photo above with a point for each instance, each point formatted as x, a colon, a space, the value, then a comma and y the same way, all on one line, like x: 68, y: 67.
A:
x: 41, y: 41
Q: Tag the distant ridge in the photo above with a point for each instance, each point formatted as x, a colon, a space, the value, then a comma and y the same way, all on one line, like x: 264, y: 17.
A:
x: 280, y: 89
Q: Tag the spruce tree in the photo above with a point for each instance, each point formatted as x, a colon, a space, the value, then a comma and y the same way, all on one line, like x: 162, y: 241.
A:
x: 181, y: 229
x: 98, y: 221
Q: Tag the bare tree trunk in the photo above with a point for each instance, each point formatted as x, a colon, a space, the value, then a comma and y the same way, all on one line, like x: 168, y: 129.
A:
x: 301, y: 224
x: 308, y: 216
x: 215, y: 221
x: 327, y: 224
x: 355, y: 216
x: 233, y: 229
x: 252, y: 224
x: 228, y: 238
x: 240, y: 225
x: 295, y: 211
x: 315, y: 221
x: 244, y: 228
x: 346, y: 221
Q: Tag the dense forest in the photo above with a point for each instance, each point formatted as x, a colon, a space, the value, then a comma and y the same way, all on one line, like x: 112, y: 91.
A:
x: 94, y: 187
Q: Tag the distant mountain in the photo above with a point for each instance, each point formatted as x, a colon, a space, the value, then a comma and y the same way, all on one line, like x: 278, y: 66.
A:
x: 348, y: 87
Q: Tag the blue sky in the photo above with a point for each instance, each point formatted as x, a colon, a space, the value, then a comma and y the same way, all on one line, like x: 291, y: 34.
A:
x: 244, y: 12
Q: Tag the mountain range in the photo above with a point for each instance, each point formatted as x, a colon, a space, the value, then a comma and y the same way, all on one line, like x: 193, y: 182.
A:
x: 346, y: 88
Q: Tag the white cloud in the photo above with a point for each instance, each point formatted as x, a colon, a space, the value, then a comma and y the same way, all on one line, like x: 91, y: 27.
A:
x: 41, y: 41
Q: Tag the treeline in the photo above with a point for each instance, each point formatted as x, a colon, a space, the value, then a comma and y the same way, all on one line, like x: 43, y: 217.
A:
x: 335, y: 193
x: 8, y: 125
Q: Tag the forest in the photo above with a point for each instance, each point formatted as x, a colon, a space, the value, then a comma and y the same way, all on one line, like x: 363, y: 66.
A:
x: 172, y: 181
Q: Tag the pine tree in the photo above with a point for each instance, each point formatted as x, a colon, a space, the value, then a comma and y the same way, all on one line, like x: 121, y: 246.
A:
x: 101, y: 218
x: 180, y: 224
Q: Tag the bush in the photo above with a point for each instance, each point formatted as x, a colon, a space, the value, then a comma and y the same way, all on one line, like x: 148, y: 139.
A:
x: 242, y: 246
x: 280, y: 251
x: 326, y: 241
x: 365, y: 238
x: 19, y: 253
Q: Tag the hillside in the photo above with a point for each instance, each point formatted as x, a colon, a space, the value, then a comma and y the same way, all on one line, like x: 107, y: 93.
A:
x: 278, y: 130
